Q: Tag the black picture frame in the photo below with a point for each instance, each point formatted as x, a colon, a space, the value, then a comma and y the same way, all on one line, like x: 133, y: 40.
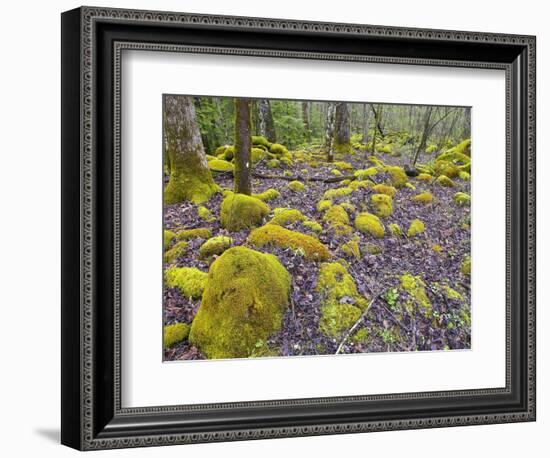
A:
x: 92, y: 40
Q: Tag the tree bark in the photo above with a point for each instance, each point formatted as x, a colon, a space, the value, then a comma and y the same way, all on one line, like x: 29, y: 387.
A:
x: 306, y: 119
x: 243, y: 143
x: 365, y: 123
x: 342, y: 128
x: 329, y: 131
x: 267, y: 126
x: 425, y: 133
x: 190, y: 178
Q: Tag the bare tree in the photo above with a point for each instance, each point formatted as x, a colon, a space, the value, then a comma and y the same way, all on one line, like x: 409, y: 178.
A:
x: 365, y: 123
x: 190, y: 178
x: 428, y: 126
x: 266, y: 124
x: 329, y: 131
x: 306, y: 114
x: 341, y: 142
x: 243, y: 143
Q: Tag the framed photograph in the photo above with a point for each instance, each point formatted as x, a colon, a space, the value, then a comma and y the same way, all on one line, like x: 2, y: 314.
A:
x: 277, y: 228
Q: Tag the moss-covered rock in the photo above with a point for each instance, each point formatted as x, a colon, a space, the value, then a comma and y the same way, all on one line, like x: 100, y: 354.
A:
x: 351, y: 249
x: 239, y: 211
x: 374, y: 249
x: 337, y: 319
x: 336, y: 172
x: 336, y: 215
x: 451, y: 293
x: 360, y: 184
x: 465, y: 176
x: 273, y: 163
x: 219, y: 165
x: 259, y: 140
x: 215, y: 246
x: 267, y: 195
x: 286, y: 216
x: 312, y: 226
x: 416, y: 227
x: 272, y: 234
x: 335, y: 285
x: 280, y: 150
x: 416, y: 288
x: 189, y: 280
x: 445, y: 181
x: 174, y: 334
x: 462, y: 199
x: 323, y: 205
x: 395, y: 230
x: 257, y: 154
x: 381, y: 205
x: 369, y: 224
x: 297, y: 186
x: 331, y: 194
x: 424, y: 177
x: 466, y: 266
x: 197, y: 233
x: 365, y: 173
x: 179, y: 249
x: 397, y: 174
x: 385, y: 189
x: 423, y: 198
x: 343, y: 165
x: 205, y: 214
x: 243, y: 303
x: 168, y: 237
x: 350, y: 208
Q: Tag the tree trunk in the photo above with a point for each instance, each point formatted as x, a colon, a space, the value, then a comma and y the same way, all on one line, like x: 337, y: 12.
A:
x: 190, y: 178
x: 243, y: 142
x: 267, y: 126
x: 425, y: 133
x: 342, y: 128
x: 306, y: 119
x: 329, y: 131
x: 365, y: 123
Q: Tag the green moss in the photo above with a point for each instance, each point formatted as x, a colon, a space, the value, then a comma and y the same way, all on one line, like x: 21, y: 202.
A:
x: 360, y: 337
x: 297, y: 186
x: 451, y: 293
x: 350, y: 208
x: 395, y: 230
x: 445, y: 181
x: 336, y: 215
x: 343, y: 165
x: 351, y: 249
x: 464, y: 175
x: 337, y: 319
x: 204, y: 213
x: 174, y: 334
x: 335, y: 284
x: 189, y: 280
x: 466, y: 266
x: 386, y: 149
x: 286, y: 216
x: 267, y: 195
x: 239, y: 211
x: 381, y: 205
x: 168, y: 237
x: 243, y: 303
x: 198, y: 233
x: 416, y: 227
x: 450, y: 171
x: 423, y: 198
x: 271, y: 234
x: 279, y: 150
x: 210, y: 158
x: 424, y: 177
x: 369, y: 224
x: 219, y: 165
x: 312, y: 225
x: 416, y: 288
x: 286, y: 161
x: 375, y: 161
x: 345, y: 182
x: 273, y: 163
x: 385, y: 189
x: 179, y: 249
x: 259, y: 140
x: 215, y: 246
x: 360, y: 184
x: 398, y: 177
x: 257, y: 154
x: 365, y: 173
x: 374, y: 249
x: 462, y: 199
x: 323, y: 205
x: 331, y: 194
x: 336, y: 172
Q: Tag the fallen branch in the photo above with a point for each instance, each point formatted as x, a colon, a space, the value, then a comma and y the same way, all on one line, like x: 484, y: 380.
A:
x: 350, y: 331
x: 334, y: 179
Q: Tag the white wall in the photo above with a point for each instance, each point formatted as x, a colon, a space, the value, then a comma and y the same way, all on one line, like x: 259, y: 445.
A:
x: 30, y: 213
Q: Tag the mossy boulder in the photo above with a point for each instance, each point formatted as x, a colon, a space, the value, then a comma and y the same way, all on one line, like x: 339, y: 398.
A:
x: 416, y: 227
x: 365, y: 173
x: 243, y: 303
x: 381, y: 205
x: 369, y: 224
x: 335, y: 285
x: 350, y: 208
x: 331, y: 194
x: 297, y: 186
x: 197, y: 233
x: 343, y: 165
x: 462, y: 199
x: 179, y: 249
x: 280, y: 150
x: 205, y: 214
x: 423, y: 198
x: 336, y: 172
x: 445, y: 181
x: 395, y: 230
x: 189, y: 280
x: 465, y: 176
x: 385, y: 189
x: 336, y: 215
x: 424, y: 177
x: 168, y: 237
x: 351, y: 249
x: 215, y: 246
x: 258, y: 140
x: 272, y: 234
x: 257, y: 154
x: 323, y: 205
x: 416, y: 288
x: 239, y: 211
x: 337, y: 319
x: 267, y: 195
x: 397, y: 174
x: 286, y: 216
x: 273, y: 163
x: 175, y: 333
x: 360, y: 184
x: 219, y: 165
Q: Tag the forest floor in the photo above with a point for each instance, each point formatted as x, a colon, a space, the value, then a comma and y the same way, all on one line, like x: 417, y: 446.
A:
x: 435, y: 256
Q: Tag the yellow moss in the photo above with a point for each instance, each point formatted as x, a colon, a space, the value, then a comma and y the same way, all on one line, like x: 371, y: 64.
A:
x: 335, y: 283
x: 219, y: 165
x: 259, y: 140
x: 337, y: 319
x: 168, y: 237
x: 312, y: 225
x: 437, y: 248
x: 174, y: 334
x: 395, y: 229
x: 336, y: 172
x: 257, y: 154
x: 239, y: 211
x: 374, y: 249
x: 464, y: 175
x: 370, y: 224
x: 215, y: 246
x: 417, y: 290
x: 267, y: 195
x: 296, y: 186
x: 351, y: 249
x: 450, y: 170
x: 375, y: 161
x: 198, y: 233
x: 286, y: 216
x: 343, y: 165
x: 451, y: 293
x: 271, y: 234
x: 243, y: 303
x: 345, y: 182
x: 424, y: 177
x: 323, y: 205
x: 410, y: 186
x: 179, y: 249
x: 423, y: 198
x: 416, y: 228
x: 385, y: 189
x: 337, y: 192
x: 364, y: 184
x: 462, y: 199
x: 336, y: 215
x: 398, y: 177
x: 466, y: 266
x: 382, y: 205
x: 350, y: 208
x: 365, y: 173
x: 386, y: 149
x: 279, y: 150
x: 273, y: 163
x: 189, y: 280
x: 360, y: 337
x: 445, y: 181
x: 210, y: 158
x: 204, y: 213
